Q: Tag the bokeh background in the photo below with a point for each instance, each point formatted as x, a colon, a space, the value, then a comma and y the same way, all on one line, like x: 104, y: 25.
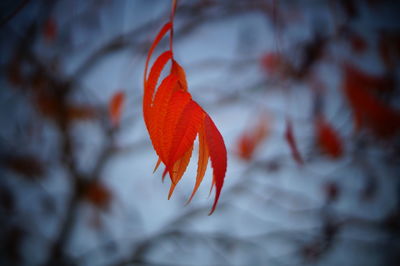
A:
x: 305, y: 94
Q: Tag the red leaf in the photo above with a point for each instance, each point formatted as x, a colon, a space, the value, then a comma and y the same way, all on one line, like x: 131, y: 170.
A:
x: 218, y: 156
x: 158, y: 38
x: 115, y: 108
x: 185, y: 131
x: 159, y: 112
x: 173, y: 120
x: 176, y: 106
x: 179, y: 169
x: 202, y: 162
x: 369, y: 82
x: 151, y: 83
x: 369, y: 111
x: 289, y: 136
x: 328, y: 139
x: 180, y: 73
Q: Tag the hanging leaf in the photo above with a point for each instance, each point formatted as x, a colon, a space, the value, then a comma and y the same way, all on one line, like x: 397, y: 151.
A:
x: 218, y: 157
x: 179, y: 169
x: 173, y: 120
x: 202, y: 161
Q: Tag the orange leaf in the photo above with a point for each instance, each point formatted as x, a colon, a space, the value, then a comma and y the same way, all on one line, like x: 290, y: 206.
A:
x: 202, y: 162
x: 115, y: 108
x: 177, y: 104
x: 179, y: 169
x: 173, y: 120
x: 80, y: 112
x: 180, y: 73
x: 185, y: 131
x: 289, y: 136
x: 151, y: 83
x: 218, y: 156
x: 250, y: 140
x: 158, y: 38
x: 159, y: 112
x: 157, y: 164
x: 164, y: 174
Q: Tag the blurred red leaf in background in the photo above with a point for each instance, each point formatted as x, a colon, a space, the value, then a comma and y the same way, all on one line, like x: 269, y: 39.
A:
x: 251, y: 139
x: 275, y: 64
x: 369, y: 111
x: 49, y: 106
x: 115, y: 108
x: 98, y: 194
x: 328, y: 139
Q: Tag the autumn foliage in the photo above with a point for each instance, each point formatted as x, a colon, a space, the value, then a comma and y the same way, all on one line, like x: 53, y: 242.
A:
x: 174, y: 119
x: 314, y: 169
